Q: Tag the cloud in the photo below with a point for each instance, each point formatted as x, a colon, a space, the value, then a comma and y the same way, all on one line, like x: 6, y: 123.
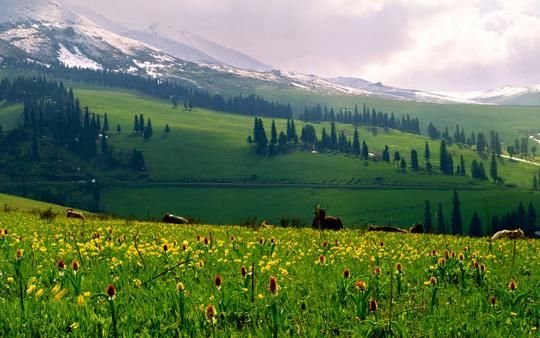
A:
x: 429, y: 44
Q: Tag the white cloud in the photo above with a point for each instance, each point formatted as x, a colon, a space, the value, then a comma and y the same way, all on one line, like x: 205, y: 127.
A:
x: 431, y: 44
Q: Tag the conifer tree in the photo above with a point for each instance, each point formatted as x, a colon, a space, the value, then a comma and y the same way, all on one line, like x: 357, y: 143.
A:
x: 364, y: 151
x: 441, y: 224
x: 457, y: 222
x: 427, y: 153
x: 414, y: 159
x: 476, y: 226
x: 105, y: 122
x: 356, y: 143
x: 104, y: 144
x: 403, y: 164
x: 493, y: 168
x: 386, y: 154
x: 136, y: 127
x: 118, y: 128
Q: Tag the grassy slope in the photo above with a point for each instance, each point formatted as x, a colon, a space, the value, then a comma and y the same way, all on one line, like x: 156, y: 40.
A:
x: 209, y: 146
x: 9, y: 114
x: 24, y: 204
x: 506, y: 120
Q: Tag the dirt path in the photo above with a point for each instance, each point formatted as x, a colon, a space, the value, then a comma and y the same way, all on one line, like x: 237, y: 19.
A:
x: 520, y: 160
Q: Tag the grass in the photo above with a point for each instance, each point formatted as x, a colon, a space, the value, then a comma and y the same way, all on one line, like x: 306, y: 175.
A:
x: 232, y: 205
x: 14, y: 203
x: 9, y: 114
x: 191, y: 276
x: 508, y: 121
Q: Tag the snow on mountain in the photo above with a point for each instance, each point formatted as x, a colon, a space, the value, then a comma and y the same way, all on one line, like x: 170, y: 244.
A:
x: 378, y: 89
x: 508, y: 95
x: 76, y: 59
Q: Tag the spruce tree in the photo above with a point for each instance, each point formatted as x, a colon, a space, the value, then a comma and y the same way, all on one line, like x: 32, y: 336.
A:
x: 167, y: 129
x: 104, y: 144
x: 356, y: 143
x: 441, y: 224
x: 427, y: 153
x: 457, y: 222
x: 414, y: 159
x: 386, y: 154
x: 272, y: 150
x: 105, y: 122
x: 427, y: 217
x: 403, y: 164
x: 531, y: 220
x: 364, y: 151
x: 118, y: 128
x: 333, y: 136
x: 476, y: 226
x: 493, y: 168
x: 136, y: 127
x: 443, y: 158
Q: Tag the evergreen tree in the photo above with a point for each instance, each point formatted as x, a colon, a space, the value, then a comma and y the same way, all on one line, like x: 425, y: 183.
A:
x: 481, y: 142
x: 364, y: 151
x: 294, y: 135
x: 136, y: 127
x: 521, y: 215
x: 493, y: 168
x: 427, y: 217
x: 104, y: 144
x: 282, y: 143
x: 105, y: 122
x: 414, y: 159
x: 476, y: 226
x: 403, y: 164
x: 456, y: 215
x: 118, y: 128
x: 167, y: 129
x: 356, y: 143
x: 141, y: 123
x: 35, y: 146
x: 397, y: 156
x: 272, y: 150
x: 137, y: 161
x: 427, y: 153
x: 386, y: 154
x: 333, y: 136
x: 443, y: 158
x: 441, y: 224
x: 147, y: 134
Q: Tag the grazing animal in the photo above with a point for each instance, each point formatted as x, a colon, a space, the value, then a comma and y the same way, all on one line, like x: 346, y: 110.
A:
x: 323, y: 222
x: 417, y: 229
x: 173, y: 219
x: 386, y: 228
x: 265, y: 224
x: 70, y: 213
x: 508, y: 234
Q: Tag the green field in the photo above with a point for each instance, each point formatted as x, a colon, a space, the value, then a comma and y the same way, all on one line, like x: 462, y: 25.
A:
x: 208, y: 150
x: 508, y: 121
x: 121, y: 278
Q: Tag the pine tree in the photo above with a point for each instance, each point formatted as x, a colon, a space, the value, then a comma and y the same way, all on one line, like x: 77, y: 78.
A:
x: 282, y: 143
x: 104, y: 144
x: 137, y: 160
x: 414, y: 159
x: 443, y: 158
x: 272, y: 150
x: 105, y: 122
x: 136, y: 127
x: 118, y: 128
x: 167, y: 129
x: 441, y: 224
x: 427, y: 153
x: 293, y: 132
x: 364, y: 151
x: 493, y: 168
x: 356, y: 143
x: 386, y: 154
x: 476, y: 226
x: 141, y: 123
x: 403, y: 164
x: 456, y: 215
x: 397, y: 156
x: 333, y: 136
x: 427, y: 217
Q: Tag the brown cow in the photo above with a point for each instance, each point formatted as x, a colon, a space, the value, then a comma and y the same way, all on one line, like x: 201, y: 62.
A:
x: 417, y: 229
x: 173, y: 219
x: 508, y: 234
x: 386, y: 228
x: 323, y: 222
x: 265, y: 224
x: 70, y: 213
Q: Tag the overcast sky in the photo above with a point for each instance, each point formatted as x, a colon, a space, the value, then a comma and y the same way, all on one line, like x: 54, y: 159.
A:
x: 446, y: 45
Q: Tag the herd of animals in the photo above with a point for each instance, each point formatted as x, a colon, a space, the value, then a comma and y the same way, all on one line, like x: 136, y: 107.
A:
x: 323, y: 222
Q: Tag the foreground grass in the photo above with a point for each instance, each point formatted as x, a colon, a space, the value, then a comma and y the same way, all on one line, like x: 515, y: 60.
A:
x: 313, y: 298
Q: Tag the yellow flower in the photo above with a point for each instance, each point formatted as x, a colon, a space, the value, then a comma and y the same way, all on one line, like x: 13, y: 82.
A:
x: 39, y: 293
x: 284, y: 272
x: 60, y: 294
x: 260, y: 296
x: 87, y: 294
x: 80, y: 300
x: 10, y: 280
x: 74, y: 326
x: 56, y: 288
x: 31, y: 289
x: 137, y: 282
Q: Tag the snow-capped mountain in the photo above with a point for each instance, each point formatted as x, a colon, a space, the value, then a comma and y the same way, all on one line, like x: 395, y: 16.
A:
x: 378, y: 89
x: 507, y: 95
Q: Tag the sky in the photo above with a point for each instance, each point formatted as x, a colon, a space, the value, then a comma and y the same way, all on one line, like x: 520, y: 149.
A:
x: 438, y: 45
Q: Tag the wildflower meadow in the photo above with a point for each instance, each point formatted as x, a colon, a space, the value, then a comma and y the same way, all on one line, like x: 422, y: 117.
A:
x: 121, y: 278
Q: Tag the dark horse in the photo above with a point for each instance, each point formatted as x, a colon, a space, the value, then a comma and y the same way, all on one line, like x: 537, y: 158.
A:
x: 170, y: 218
x: 386, y: 228
x: 417, y: 229
x: 323, y: 222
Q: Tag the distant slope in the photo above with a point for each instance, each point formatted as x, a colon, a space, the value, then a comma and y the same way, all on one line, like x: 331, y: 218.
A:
x: 11, y: 202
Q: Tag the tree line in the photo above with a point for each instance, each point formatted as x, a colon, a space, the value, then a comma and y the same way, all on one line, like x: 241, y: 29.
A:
x: 436, y: 221
x: 371, y: 118
x: 251, y: 105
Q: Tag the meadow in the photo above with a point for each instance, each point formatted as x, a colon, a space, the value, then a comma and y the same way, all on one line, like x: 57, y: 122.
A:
x: 123, y: 278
